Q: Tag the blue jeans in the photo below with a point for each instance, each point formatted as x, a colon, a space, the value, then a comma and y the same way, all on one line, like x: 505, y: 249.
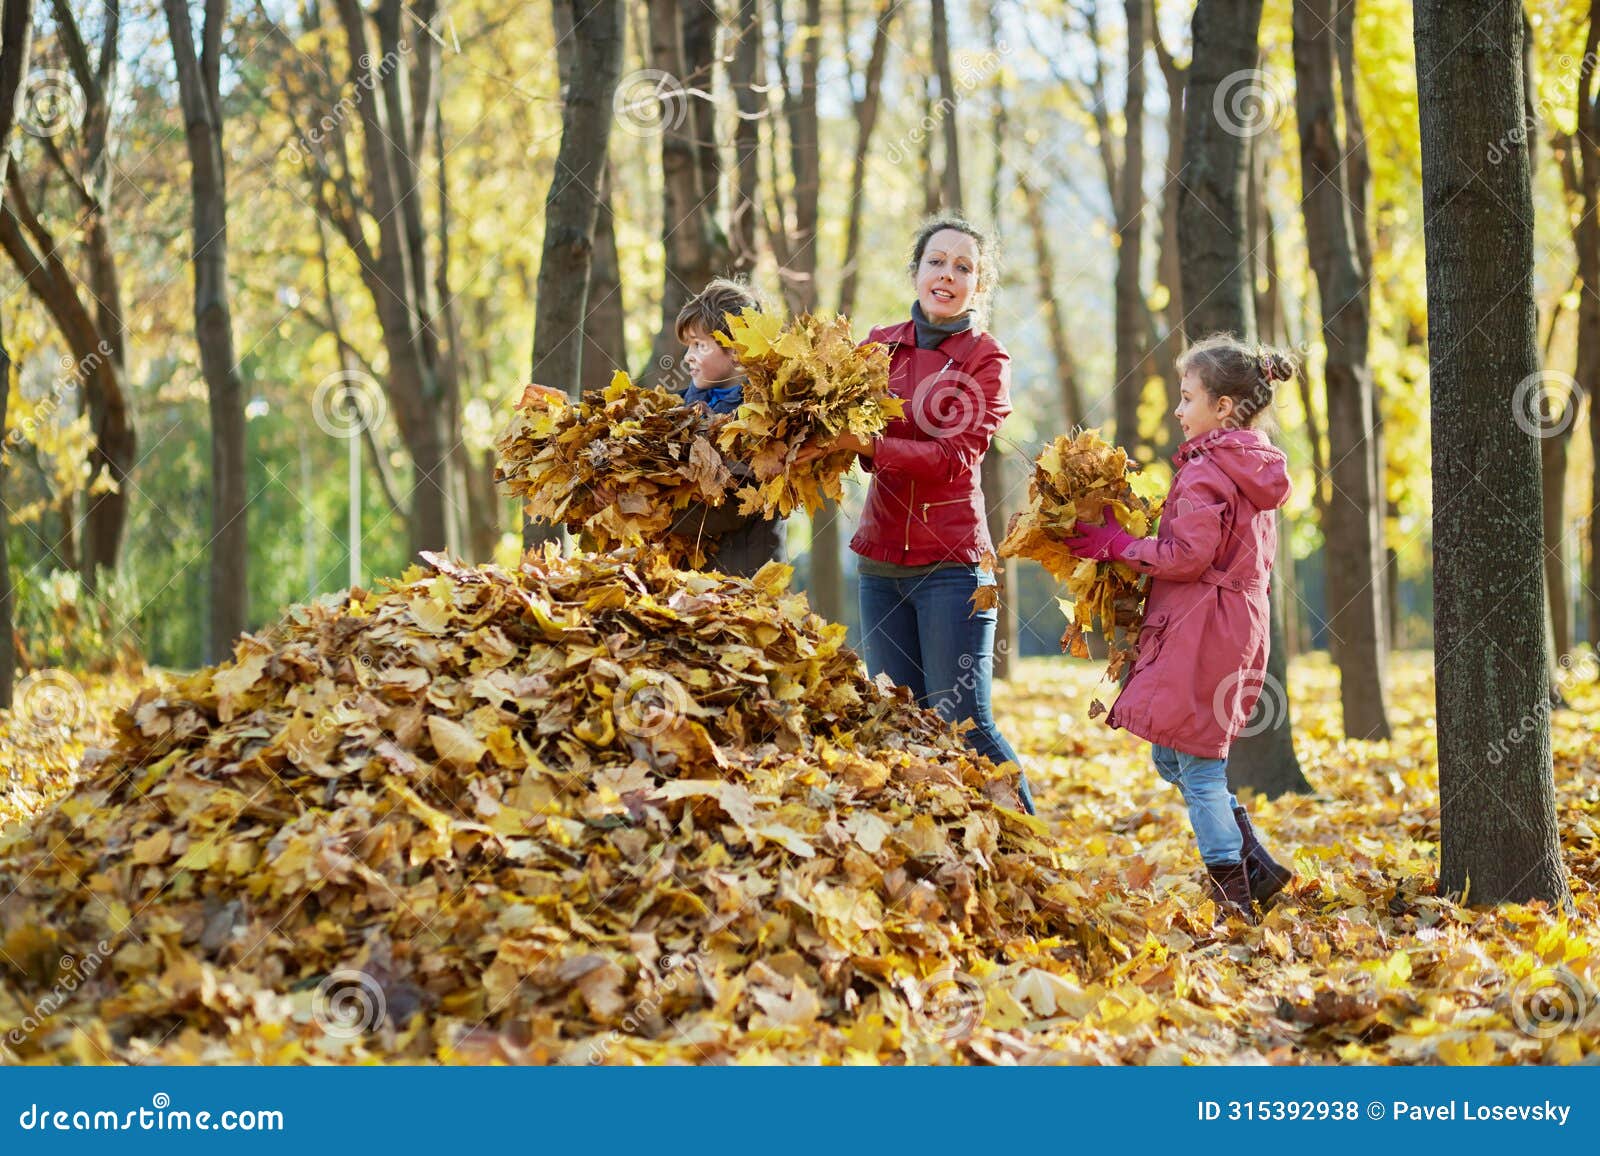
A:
x: 923, y: 634
x: 1204, y: 783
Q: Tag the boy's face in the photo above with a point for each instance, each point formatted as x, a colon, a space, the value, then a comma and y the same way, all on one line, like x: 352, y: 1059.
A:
x: 707, y: 360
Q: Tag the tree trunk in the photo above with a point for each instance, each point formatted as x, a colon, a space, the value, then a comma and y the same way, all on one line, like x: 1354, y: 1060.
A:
x: 1354, y: 543
x: 745, y: 78
x: 199, y: 93
x: 16, y: 46
x: 1218, y: 297
x: 1216, y: 154
x: 866, y: 121
x: 694, y: 246
x: 1499, y: 840
x: 572, y: 209
x: 1132, y: 319
x: 1068, y: 390
x: 1168, y: 267
x: 998, y: 479
x: 950, y: 186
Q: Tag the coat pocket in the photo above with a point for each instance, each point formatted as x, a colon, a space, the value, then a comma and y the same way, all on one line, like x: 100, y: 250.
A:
x: 1151, y: 637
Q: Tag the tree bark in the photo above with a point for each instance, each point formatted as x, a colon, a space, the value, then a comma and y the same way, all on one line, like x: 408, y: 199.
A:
x: 1499, y: 840
x: 199, y: 93
x: 1068, y: 389
x: 1351, y: 530
x: 1132, y: 318
x: 695, y: 248
x: 950, y: 185
x: 572, y: 209
x: 998, y: 479
x: 1212, y: 238
x: 745, y: 75
x: 16, y: 47
x: 1165, y: 352
x: 866, y: 121
x: 1216, y: 154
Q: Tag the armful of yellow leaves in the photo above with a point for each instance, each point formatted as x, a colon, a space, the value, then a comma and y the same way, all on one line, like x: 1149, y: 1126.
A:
x: 1082, y: 478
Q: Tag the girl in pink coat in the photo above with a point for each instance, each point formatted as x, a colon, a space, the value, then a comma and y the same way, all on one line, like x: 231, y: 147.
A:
x: 1203, y: 649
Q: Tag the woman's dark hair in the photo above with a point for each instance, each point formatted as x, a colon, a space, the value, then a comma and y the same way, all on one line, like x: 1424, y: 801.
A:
x: 988, y: 260
x: 1228, y: 367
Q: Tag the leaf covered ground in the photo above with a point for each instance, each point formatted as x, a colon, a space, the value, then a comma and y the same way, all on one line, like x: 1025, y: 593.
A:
x: 793, y: 908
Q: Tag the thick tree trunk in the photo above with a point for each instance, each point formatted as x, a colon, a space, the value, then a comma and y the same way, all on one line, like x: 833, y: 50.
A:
x: 1216, y: 154
x: 16, y: 47
x: 1212, y: 237
x: 745, y: 73
x: 199, y: 93
x: 571, y: 207
x: 1499, y: 840
x: 1351, y: 530
x: 695, y: 249
x: 1132, y: 317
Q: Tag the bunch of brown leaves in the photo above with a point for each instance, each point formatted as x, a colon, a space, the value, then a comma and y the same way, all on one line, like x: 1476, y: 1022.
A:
x: 594, y: 810
x: 1081, y: 478
x: 618, y: 467
x: 807, y: 383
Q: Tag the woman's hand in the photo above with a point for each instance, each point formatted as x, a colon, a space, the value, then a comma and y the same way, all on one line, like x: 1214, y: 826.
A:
x: 843, y: 442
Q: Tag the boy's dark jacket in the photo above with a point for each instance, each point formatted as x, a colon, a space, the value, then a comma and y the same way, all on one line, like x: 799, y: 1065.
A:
x: 745, y: 543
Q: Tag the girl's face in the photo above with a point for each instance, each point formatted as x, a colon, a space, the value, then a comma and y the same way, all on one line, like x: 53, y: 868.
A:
x: 707, y: 360
x: 947, y: 275
x: 1198, y: 412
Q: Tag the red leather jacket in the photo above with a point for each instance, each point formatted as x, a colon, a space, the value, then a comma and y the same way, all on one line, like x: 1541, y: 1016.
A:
x: 925, y: 503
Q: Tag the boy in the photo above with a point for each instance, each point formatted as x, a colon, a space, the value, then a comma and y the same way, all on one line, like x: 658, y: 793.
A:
x: 745, y: 543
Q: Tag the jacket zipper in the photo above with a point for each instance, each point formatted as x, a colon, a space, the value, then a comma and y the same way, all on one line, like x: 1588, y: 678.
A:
x: 911, y: 506
x: 947, y: 502
x: 911, y: 502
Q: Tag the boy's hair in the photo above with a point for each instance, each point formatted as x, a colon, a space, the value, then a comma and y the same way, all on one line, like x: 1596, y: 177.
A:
x: 1228, y: 367
x: 708, y: 309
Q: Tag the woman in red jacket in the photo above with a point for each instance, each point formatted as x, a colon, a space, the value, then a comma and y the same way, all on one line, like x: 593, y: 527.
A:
x: 924, y: 533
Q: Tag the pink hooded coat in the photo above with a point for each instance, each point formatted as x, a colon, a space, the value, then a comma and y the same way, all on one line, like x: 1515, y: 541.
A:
x: 1203, y: 650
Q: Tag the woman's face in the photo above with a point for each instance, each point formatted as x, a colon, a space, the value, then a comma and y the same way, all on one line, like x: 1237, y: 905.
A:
x: 947, y: 275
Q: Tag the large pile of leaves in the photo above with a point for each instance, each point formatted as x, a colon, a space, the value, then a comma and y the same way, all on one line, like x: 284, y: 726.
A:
x: 1082, y: 478
x: 56, y: 716
x: 594, y: 810
x: 618, y: 467
x: 807, y: 383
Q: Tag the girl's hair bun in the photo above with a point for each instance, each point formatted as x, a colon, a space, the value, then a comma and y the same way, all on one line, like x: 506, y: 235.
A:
x: 1275, y: 366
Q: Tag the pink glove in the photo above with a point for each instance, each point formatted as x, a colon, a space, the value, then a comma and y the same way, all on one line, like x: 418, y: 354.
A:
x: 1100, y: 543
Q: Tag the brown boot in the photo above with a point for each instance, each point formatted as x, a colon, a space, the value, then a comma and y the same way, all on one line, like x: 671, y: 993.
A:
x: 1228, y: 884
x: 1267, y: 875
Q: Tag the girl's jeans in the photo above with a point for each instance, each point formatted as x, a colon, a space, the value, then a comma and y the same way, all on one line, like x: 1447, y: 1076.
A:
x: 1204, y: 783
x: 923, y: 634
